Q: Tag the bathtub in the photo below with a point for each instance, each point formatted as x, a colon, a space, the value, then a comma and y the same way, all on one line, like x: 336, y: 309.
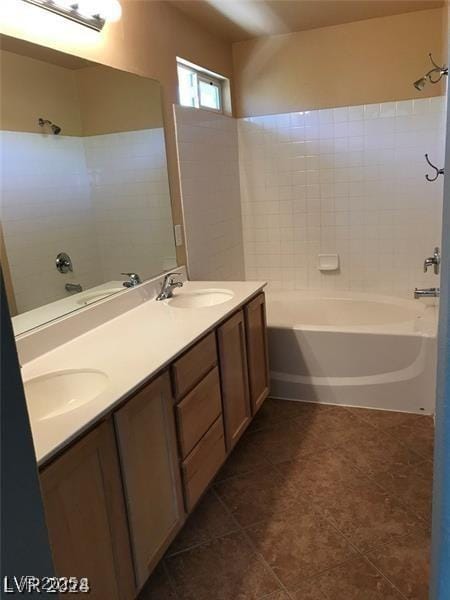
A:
x: 353, y: 349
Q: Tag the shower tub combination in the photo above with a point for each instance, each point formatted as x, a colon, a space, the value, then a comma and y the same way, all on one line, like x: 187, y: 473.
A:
x: 353, y: 349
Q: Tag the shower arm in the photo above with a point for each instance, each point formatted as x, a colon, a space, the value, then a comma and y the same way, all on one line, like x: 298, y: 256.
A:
x: 442, y: 70
x: 438, y: 171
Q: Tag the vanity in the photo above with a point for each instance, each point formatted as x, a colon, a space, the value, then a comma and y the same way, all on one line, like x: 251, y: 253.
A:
x: 121, y: 473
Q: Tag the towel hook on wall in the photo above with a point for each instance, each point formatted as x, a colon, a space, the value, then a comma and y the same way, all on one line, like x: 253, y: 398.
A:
x: 438, y: 171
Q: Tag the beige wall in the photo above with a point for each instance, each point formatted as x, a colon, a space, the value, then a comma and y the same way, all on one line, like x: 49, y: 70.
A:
x: 357, y: 63
x: 145, y: 41
x: 31, y: 89
x: 92, y: 100
x: 112, y: 101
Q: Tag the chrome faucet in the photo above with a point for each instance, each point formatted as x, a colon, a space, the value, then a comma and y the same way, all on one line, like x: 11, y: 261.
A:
x: 168, y: 285
x: 426, y: 293
x: 133, y: 281
x: 433, y: 261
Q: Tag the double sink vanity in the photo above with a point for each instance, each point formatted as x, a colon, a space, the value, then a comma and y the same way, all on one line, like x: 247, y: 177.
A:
x: 132, y: 420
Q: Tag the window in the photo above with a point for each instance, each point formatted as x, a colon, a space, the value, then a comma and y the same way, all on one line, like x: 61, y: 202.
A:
x: 199, y: 88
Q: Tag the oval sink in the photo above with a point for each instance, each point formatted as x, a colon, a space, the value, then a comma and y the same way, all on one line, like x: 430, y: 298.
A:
x: 88, y: 297
x: 58, y: 393
x: 200, y: 298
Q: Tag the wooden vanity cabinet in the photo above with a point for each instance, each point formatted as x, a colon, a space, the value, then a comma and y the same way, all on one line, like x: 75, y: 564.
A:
x: 257, y: 350
x: 115, y: 498
x: 147, y: 443
x: 86, y: 519
x: 234, y: 377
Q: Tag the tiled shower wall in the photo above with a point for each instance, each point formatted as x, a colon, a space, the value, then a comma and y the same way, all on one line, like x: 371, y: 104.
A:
x: 209, y: 173
x: 46, y: 208
x: 348, y: 180
x: 102, y: 199
x: 131, y: 202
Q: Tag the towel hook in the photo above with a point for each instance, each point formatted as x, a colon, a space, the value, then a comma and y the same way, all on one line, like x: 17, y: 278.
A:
x: 438, y: 171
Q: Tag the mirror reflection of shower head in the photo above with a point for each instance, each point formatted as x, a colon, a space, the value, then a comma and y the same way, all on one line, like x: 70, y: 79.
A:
x: 56, y: 129
x: 433, y: 76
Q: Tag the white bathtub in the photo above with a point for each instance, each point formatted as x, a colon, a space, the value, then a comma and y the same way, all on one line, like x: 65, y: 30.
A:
x: 353, y: 349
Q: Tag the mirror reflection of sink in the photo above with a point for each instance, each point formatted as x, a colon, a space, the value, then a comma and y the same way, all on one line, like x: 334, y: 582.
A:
x: 200, y: 298
x: 88, y: 297
x: 54, y: 394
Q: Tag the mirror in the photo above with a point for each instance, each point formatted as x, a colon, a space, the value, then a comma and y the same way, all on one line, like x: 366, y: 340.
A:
x: 84, y: 186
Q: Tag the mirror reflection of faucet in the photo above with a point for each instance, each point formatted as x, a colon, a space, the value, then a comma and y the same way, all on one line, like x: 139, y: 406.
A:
x: 134, y: 280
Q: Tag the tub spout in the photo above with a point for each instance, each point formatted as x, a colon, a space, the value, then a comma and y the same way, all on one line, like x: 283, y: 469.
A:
x: 426, y: 293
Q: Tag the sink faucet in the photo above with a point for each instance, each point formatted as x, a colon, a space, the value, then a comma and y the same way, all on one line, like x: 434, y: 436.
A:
x: 433, y: 261
x: 133, y: 281
x: 169, y: 284
x: 426, y: 293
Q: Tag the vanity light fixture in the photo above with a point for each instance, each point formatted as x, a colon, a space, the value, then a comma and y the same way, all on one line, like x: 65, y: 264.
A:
x: 91, y: 13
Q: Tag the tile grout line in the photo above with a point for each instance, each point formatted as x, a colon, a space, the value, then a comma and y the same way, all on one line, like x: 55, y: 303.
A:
x: 258, y: 554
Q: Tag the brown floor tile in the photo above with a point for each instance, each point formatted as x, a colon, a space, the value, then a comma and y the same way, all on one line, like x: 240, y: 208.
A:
x: 158, y: 587
x: 413, y: 486
x: 274, y: 411
x: 386, y: 418
x: 319, y: 475
x: 245, y: 457
x: 287, y: 440
x: 366, y: 515
x: 298, y: 545
x: 416, y: 435
x: 406, y: 564
x: 336, y: 426
x: 354, y: 580
x: 224, y: 569
x: 378, y: 452
x: 256, y: 496
x: 209, y: 520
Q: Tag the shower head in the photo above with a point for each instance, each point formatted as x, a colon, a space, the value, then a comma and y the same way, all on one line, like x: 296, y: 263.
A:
x: 420, y: 83
x: 56, y: 129
x: 433, y: 76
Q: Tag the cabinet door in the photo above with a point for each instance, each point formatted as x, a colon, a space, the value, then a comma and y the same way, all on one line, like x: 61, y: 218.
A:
x: 148, y: 452
x: 257, y: 353
x: 86, y: 518
x: 234, y: 377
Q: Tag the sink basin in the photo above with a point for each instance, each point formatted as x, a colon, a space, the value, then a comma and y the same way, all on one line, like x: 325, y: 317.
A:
x: 88, y: 297
x: 60, y: 392
x: 200, y: 298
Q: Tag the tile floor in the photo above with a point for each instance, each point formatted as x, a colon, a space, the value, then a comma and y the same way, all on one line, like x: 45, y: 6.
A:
x: 315, y: 503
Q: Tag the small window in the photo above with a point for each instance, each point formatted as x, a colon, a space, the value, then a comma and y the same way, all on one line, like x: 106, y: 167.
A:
x: 198, y: 88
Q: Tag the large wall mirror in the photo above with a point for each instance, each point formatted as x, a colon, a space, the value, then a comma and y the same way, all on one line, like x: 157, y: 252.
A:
x: 83, y: 178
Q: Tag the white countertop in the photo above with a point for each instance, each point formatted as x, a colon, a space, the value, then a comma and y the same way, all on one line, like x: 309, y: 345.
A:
x: 130, y: 349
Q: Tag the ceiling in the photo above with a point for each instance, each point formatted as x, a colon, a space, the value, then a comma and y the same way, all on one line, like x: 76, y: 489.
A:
x: 237, y: 20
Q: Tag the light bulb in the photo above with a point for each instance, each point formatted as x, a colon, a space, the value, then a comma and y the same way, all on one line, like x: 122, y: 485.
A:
x: 109, y: 10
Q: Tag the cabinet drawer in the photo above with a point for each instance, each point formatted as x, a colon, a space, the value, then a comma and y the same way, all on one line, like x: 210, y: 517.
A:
x: 198, y: 411
x: 193, y: 365
x: 203, y: 463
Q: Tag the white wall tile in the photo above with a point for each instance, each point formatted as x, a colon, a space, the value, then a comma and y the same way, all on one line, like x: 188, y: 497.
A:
x: 360, y: 190
x: 209, y: 173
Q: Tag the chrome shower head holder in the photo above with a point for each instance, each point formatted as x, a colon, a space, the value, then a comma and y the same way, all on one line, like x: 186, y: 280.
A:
x: 434, y: 75
x: 56, y: 129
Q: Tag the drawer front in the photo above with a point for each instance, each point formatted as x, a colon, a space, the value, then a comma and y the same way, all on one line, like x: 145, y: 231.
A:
x: 198, y: 411
x: 193, y: 365
x: 203, y: 463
